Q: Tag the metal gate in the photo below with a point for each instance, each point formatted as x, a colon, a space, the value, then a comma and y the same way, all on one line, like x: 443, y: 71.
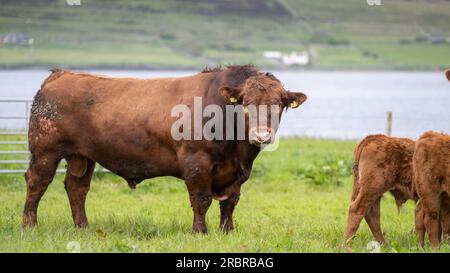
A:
x: 14, y: 152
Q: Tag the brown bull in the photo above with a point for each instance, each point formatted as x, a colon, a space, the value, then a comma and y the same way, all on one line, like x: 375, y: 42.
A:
x: 381, y: 164
x: 431, y: 165
x: 124, y: 124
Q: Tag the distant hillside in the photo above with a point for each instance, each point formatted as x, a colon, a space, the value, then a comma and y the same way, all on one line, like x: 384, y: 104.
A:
x: 399, y: 34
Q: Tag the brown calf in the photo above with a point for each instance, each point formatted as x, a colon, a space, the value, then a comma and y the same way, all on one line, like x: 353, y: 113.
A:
x: 444, y: 227
x: 431, y: 163
x: 381, y: 164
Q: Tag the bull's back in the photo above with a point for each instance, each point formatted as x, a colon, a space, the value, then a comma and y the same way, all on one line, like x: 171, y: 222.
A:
x: 110, y: 103
x: 122, y: 123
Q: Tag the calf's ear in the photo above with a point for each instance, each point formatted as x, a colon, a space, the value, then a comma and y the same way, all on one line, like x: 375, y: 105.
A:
x: 294, y: 99
x: 447, y: 74
x: 231, y: 94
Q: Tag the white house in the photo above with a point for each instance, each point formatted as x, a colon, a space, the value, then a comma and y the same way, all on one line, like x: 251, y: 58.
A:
x: 293, y: 58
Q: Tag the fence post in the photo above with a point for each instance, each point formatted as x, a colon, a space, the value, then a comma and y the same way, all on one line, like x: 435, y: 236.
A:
x: 389, y: 123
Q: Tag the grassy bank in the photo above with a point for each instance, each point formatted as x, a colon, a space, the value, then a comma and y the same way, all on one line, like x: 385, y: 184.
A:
x: 295, y: 201
x: 191, y: 34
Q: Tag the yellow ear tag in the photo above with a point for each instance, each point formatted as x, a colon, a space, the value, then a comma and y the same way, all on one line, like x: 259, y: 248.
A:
x: 294, y: 104
x: 233, y: 99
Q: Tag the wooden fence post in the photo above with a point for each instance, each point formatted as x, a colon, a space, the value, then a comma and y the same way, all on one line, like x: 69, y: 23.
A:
x: 389, y: 123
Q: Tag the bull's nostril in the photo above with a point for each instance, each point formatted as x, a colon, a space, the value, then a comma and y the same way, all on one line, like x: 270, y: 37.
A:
x: 261, y: 135
x: 264, y: 135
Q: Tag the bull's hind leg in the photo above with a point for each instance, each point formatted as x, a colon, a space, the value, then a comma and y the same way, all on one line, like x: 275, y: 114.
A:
x: 39, y: 175
x: 373, y: 220
x: 77, y: 183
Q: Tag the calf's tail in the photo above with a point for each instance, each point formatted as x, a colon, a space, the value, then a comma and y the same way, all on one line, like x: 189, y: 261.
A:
x: 356, y: 156
x: 355, y: 170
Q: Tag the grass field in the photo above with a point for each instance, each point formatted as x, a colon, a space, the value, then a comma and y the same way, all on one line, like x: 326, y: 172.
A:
x: 191, y: 34
x: 295, y: 201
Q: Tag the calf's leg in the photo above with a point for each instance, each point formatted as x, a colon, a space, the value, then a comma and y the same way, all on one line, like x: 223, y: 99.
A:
x: 419, y: 223
x: 360, y: 207
x: 373, y: 220
x: 431, y: 207
x: 39, y: 175
x: 429, y: 191
x: 77, y: 183
x: 445, y: 218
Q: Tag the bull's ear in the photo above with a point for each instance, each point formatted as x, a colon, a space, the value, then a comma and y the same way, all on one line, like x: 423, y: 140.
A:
x: 231, y: 95
x: 447, y: 74
x: 294, y: 99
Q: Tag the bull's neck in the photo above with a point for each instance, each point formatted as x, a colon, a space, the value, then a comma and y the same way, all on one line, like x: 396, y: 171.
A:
x: 245, y: 154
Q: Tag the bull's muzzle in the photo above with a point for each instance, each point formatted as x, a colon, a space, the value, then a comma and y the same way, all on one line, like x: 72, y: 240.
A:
x: 261, y: 135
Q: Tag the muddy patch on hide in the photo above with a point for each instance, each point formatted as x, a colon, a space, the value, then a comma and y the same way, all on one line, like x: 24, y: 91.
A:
x: 41, y: 108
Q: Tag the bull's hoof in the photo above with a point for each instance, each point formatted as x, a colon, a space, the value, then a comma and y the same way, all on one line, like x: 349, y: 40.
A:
x: 199, y: 229
x: 82, y: 225
x: 227, y: 228
x: 27, y: 225
x: 29, y: 221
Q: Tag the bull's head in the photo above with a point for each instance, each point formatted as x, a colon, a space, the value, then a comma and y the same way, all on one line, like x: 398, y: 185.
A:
x: 262, y: 96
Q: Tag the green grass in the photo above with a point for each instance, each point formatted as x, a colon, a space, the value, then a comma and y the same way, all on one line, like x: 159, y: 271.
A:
x: 179, y: 34
x: 295, y: 201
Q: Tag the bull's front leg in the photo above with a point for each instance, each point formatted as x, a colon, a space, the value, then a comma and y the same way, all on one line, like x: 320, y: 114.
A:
x: 197, y: 176
x: 232, y: 194
x: 226, y: 212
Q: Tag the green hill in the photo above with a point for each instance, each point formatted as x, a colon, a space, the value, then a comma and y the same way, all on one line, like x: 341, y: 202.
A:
x: 398, y: 34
